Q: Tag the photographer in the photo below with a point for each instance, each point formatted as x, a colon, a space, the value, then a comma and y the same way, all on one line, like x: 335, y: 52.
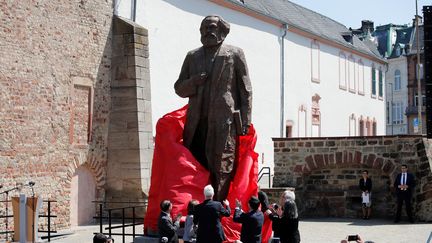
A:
x: 275, y: 214
x: 101, y: 238
x: 352, y: 238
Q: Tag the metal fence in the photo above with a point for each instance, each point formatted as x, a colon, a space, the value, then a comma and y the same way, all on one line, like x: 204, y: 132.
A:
x: 47, y: 214
x: 110, y: 218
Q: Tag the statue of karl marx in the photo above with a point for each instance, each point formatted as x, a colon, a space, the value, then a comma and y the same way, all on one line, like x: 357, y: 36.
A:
x: 215, y: 78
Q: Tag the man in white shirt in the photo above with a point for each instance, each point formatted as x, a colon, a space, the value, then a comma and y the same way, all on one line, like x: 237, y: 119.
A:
x: 404, y: 184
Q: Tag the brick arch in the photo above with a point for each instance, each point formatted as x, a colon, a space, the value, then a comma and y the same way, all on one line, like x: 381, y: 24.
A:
x: 91, y: 163
x: 346, y: 159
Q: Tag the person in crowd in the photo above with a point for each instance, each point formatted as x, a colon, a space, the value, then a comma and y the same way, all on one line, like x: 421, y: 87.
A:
x: 189, y: 229
x: 207, y: 215
x: 168, y: 228
x: 264, y: 201
x: 404, y: 184
x: 365, y: 184
x: 275, y: 214
x: 289, y: 222
x: 101, y: 238
x: 251, y: 221
x: 286, y: 195
x: 352, y: 238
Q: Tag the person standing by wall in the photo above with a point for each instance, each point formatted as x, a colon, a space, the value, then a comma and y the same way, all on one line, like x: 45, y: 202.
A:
x: 404, y: 184
x: 365, y: 184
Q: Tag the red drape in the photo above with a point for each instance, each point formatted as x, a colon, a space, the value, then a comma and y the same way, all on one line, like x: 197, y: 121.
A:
x: 179, y: 177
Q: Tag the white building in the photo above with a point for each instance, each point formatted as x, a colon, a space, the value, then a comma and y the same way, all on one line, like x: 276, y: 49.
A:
x: 307, y: 78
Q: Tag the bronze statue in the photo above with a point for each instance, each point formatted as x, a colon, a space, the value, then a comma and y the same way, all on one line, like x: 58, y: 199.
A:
x: 215, y: 78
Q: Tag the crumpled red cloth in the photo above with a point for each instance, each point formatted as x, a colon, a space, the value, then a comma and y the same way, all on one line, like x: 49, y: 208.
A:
x: 179, y: 177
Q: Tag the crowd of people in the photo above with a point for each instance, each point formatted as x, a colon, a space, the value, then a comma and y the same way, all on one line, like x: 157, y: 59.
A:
x: 203, y: 222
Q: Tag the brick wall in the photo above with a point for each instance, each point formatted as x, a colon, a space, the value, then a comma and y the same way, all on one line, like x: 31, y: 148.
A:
x: 55, y: 72
x: 326, y: 171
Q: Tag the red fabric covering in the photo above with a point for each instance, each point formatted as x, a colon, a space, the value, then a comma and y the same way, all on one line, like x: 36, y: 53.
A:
x: 179, y: 177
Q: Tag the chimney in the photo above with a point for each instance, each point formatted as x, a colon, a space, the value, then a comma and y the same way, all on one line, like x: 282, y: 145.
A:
x: 367, y: 26
x: 420, y: 20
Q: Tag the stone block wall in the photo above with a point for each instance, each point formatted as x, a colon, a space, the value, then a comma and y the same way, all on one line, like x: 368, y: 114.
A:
x: 130, y: 147
x: 326, y: 171
x: 55, y: 74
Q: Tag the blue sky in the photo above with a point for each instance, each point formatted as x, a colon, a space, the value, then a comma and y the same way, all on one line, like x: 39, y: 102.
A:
x: 351, y: 12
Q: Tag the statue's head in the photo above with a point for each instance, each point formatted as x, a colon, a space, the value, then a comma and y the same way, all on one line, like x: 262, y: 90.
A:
x: 213, y: 30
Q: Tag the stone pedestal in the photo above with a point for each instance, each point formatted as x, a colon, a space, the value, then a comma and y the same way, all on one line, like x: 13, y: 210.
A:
x: 130, y: 139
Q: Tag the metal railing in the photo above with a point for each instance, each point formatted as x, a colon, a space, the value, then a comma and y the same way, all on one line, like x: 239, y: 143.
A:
x: 6, y: 216
x: 48, y: 216
x: 265, y: 171
x: 132, y: 221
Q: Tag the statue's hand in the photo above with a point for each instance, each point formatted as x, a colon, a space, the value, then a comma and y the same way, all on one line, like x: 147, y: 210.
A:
x: 199, y: 79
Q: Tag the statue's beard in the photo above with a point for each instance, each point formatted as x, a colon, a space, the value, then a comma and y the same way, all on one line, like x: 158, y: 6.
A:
x: 210, y: 40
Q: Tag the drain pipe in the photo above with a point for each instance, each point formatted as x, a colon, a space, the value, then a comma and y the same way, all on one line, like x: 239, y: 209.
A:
x: 134, y: 11
x: 282, y: 79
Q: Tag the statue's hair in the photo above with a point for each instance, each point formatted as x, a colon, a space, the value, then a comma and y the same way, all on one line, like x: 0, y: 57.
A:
x: 223, y: 25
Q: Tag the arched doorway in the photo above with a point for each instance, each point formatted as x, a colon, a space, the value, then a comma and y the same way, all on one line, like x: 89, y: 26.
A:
x: 83, y: 192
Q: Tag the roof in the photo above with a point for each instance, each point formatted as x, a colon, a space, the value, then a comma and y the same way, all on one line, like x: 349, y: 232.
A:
x: 403, y: 41
x: 306, y: 20
x: 413, y: 42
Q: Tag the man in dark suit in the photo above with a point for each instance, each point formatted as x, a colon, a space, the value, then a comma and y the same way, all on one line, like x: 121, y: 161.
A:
x: 404, y: 184
x: 207, y: 216
x: 252, y: 221
x: 215, y: 79
x: 168, y: 228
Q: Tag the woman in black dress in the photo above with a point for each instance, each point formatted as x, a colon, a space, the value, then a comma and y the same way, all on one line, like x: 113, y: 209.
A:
x: 289, y: 222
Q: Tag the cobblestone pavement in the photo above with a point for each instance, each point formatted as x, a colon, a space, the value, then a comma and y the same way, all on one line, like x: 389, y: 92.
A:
x: 311, y: 231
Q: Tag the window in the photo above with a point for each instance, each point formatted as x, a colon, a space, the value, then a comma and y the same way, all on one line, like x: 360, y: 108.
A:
x: 416, y: 100
x: 421, y: 71
x: 289, y: 128
x: 369, y: 127
x: 380, y: 83
x: 302, y: 121
x: 352, y: 125
x: 342, y: 71
x: 288, y: 133
x: 360, y: 77
x: 397, y: 113
x: 373, y: 83
x: 397, y: 80
x: 351, y: 74
x: 315, y: 58
x: 361, y: 127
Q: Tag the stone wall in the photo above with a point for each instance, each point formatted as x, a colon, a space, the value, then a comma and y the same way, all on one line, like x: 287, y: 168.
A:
x: 130, y: 147
x: 55, y: 74
x: 326, y: 171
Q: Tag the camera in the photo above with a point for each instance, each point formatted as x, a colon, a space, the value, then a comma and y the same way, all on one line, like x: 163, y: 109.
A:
x: 352, y: 237
x: 275, y: 206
